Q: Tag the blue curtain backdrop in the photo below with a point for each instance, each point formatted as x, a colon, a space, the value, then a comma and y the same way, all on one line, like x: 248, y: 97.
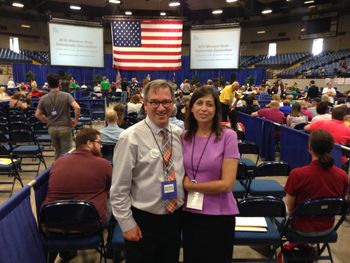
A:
x: 84, y: 75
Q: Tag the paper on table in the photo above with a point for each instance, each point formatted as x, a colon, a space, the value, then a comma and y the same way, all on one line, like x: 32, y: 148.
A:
x: 251, y: 221
x: 251, y: 224
x: 251, y: 228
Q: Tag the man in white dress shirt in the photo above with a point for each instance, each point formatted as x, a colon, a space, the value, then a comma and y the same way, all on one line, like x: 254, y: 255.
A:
x: 138, y: 196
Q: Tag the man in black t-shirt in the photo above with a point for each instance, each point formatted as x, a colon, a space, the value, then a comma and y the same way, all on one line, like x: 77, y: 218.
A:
x: 313, y: 91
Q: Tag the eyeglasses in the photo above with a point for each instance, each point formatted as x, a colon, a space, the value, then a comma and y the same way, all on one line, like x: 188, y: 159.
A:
x: 99, y: 142
x: 156, y: 103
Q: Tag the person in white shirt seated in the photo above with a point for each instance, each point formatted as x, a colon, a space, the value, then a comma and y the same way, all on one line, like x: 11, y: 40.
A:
x: 110, y: 134
x: 322, y: 110
x: 176, y: 121
x: 135, y: 104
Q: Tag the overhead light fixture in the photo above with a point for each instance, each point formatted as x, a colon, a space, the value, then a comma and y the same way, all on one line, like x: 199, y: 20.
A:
x: 266, y: 11
x: 16, y: 4
x: 75, y: 7
x: 312, y: 6
x: 162, y: 13
x: 25, y: 26
x: 309, y: 2
x: 303, y: 30
x: 231, y: 1
x: 261, y: 32
x: 174, y: 3
x: 128, y: 13
x: 217, y: 12
x: 115, y: 1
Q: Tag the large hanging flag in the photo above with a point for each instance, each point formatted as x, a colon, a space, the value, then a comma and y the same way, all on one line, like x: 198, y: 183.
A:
x: 147, y: 44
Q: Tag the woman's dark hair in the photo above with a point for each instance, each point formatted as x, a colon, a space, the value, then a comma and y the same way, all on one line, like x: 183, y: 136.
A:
x: 322, y: 108
x: 296, y: 110
x: 191, y: 123
x: 321, y: 144
x: 233, y: 119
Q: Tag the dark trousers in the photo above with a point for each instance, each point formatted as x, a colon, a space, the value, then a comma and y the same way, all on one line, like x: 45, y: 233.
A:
x: 161, y: 237
x: 208, y: 238
x: 225, y: 109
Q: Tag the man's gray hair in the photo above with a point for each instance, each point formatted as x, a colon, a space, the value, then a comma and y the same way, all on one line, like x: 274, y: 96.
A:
x: 156, y: 84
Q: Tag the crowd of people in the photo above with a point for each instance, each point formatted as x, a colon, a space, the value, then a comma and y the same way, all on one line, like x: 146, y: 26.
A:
x: 173, y: 171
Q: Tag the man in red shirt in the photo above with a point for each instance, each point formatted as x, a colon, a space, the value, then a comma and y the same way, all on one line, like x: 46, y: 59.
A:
x: 83, y: 174
x: 272, y: 113
x: 336, y: 127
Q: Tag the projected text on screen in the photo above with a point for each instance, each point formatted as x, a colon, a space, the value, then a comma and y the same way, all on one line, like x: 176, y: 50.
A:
x: 215, y: 48
x: 76, y: 45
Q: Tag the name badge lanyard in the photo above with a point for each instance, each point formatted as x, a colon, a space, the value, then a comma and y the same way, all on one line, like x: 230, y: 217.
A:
x: 53, y: 103
x: 194, y: 172
x: 165, y: 164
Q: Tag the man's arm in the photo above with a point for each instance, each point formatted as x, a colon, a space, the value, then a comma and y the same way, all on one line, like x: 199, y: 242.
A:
x: 290, y: 202
x: 124, y: 160
x: 76, y: 108
x: 39, y: 114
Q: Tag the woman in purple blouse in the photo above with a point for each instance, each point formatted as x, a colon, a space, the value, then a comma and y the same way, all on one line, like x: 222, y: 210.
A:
x: 210, y: 155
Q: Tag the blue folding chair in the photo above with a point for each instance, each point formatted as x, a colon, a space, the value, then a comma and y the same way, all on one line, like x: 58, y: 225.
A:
x: 316, y: 209
x: 71, y: 225
x: 266, y: 187
x: 268, y: 207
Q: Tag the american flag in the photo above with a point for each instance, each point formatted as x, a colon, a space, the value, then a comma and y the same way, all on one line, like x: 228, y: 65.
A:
x: 147, y: 44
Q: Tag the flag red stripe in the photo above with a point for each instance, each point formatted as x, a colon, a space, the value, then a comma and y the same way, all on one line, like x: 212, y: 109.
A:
x: 169, y: 30
x: 147, y: 68
x: 147, y: 60
x: 160, y: 38
x: 117, y: 52
x: 160, y: 45
x: 168, y: 22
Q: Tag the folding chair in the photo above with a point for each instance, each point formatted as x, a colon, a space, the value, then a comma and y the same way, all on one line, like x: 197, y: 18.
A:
x: 8, y: 165
x: 239, y: 188
x: 265, y: 187
x: 107, y: 151
x: 313, y: 209
x: 251, y: 149
x: 240, y: 136
x: 85, y: 116
x: 269, y: 208
x: 26, y: 146
x: 300, y: 126
x: 71, y: 225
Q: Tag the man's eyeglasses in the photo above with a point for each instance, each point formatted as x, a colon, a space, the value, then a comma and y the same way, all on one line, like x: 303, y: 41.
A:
x: 156, y: 103
x: 99, y: 142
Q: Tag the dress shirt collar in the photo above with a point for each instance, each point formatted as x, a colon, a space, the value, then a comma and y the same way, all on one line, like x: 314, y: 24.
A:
x: 156, y: 129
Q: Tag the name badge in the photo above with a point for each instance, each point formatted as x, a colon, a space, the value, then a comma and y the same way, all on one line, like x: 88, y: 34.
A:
x: 53, y: 112
x: 195, y: 200
x: 169, y: 190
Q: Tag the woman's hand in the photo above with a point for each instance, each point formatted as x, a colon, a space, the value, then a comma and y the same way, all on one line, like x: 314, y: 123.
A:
x: 186, y: 183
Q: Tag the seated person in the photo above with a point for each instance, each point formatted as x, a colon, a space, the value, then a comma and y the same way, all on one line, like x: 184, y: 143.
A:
x: 110, y: 134
x: 296, y: 116
x: 234, y: 123
x: 15, y: 102
x: 176, y: 121
x: 314, y: 103
x: 322, y: 112
x: 135, y: 104
x: 88, y: 174
x: 249, y: 108
x: 321, y: 178
x: 286, y: 108
x: 3, y: 94
x: 273, y: 113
